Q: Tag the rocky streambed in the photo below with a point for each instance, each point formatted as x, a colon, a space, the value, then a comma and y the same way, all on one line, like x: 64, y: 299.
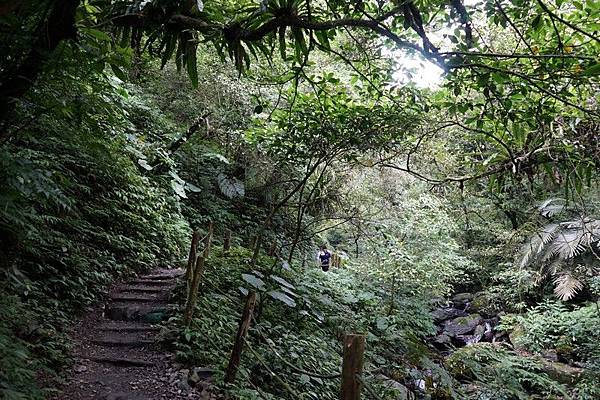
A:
x: 465, y: 320
x: 461, y: 322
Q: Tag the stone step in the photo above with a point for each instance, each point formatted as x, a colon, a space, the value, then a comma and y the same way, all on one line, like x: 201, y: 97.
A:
x: 91, y: 349
x: 160, y: 277
x: 120, y: 342
x: 140, y: 298
x: 122, y: 362
x: 125, y: 335
x: 141, y: 289
x: 128, y: 327
x: 136, y: 312
x: 153, y: 282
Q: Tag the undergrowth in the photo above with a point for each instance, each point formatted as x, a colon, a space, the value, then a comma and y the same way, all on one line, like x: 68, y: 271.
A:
x: 76, y: 212
x: 294, y: 345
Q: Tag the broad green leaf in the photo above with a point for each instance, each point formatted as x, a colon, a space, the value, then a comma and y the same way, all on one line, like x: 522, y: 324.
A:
x: 284, y: 298
x: 282, y: 281
x: 254, y: 281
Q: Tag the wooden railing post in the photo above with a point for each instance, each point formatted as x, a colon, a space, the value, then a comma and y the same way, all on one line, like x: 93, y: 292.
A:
x: 238, y: 345
x: 227, y: 240
x: 354, y: 348
x: 272, y: 249
x: 256, y: 243
x: 192, y: 255
x: 192, y: 297
x: 208, y: 242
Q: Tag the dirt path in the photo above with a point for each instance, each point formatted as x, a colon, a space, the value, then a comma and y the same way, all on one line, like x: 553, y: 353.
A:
x: 116, y: 357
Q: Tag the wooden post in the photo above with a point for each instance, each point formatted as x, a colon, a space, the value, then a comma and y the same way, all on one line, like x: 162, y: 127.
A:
x: 192, y: 297
x: 256, y: 244
x: 272, y: 249
x: 338, y: 261
x: 227, y: 241
x: 238, y: 345
x: 354, y: 348
x: 192, y: 255
x: 208, y: 242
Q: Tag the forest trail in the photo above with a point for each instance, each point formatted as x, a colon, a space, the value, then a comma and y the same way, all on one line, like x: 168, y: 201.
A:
x: 115, y: 353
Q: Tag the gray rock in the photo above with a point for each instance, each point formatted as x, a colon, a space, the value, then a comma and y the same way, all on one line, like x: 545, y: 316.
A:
x: 517, y: 338
x: 402, y: 392
x: 550, y: 355
x: 562, y: 373
x: 438, y: 302
x: 442, y: 339
x: 462, y: 325
x: 80, y: 368
x: 183, y: 385
x: 488, y: 334
x: 474, y: 338
x: 461, y: 299
x: 442, y: 342
x: 442, y: 314
x: 203, y: 373
x: 199, y: 374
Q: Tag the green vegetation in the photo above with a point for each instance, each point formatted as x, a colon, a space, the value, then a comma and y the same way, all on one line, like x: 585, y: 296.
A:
x: 465, y: 210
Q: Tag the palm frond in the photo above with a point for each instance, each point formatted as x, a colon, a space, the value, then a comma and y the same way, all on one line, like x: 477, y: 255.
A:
x: 550, y: 269
x: 551, y: 207
x: 567, y: 244
x: 556, y: 246
x: 566, y: 286
x: 531, y: 250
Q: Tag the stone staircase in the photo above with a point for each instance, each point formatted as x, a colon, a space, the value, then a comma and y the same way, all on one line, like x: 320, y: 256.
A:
x: 115, y: 350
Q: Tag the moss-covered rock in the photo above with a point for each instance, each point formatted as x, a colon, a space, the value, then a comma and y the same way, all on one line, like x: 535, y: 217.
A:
x: 562, y: 373
x: 462, y: 325
x: 517, y: 338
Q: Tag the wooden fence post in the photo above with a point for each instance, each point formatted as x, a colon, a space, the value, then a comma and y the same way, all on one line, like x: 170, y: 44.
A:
x: 238, y: 345
x: 208, y: 242
x: 272, y: 249
x: 227, y: 240
x: 354, y: 348
x: 192, y: 297
x: 192, y: 255
x: 256, y: 243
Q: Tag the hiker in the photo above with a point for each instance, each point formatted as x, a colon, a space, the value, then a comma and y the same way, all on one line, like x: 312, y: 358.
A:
x: 324, y: 258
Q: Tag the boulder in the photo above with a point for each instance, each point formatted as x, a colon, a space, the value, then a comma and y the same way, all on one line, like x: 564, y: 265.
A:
x: 488, y: 333
x: 462, y: 325
x: 550, y: 355
x: 438, y: 302
x: 442, y: 314
x: 461, y: 299
x: 199, y: 374
x: 562, y: 373
x: 472, y: 339
x: 517, y: 338
x: 485, y: 304
x: 442, y: 341
x: 402, y: 392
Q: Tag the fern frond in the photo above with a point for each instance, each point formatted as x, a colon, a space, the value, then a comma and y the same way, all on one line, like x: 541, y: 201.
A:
x: 567, y: 286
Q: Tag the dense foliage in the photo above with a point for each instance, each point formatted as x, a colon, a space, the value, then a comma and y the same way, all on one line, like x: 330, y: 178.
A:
x: 471, y: 199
